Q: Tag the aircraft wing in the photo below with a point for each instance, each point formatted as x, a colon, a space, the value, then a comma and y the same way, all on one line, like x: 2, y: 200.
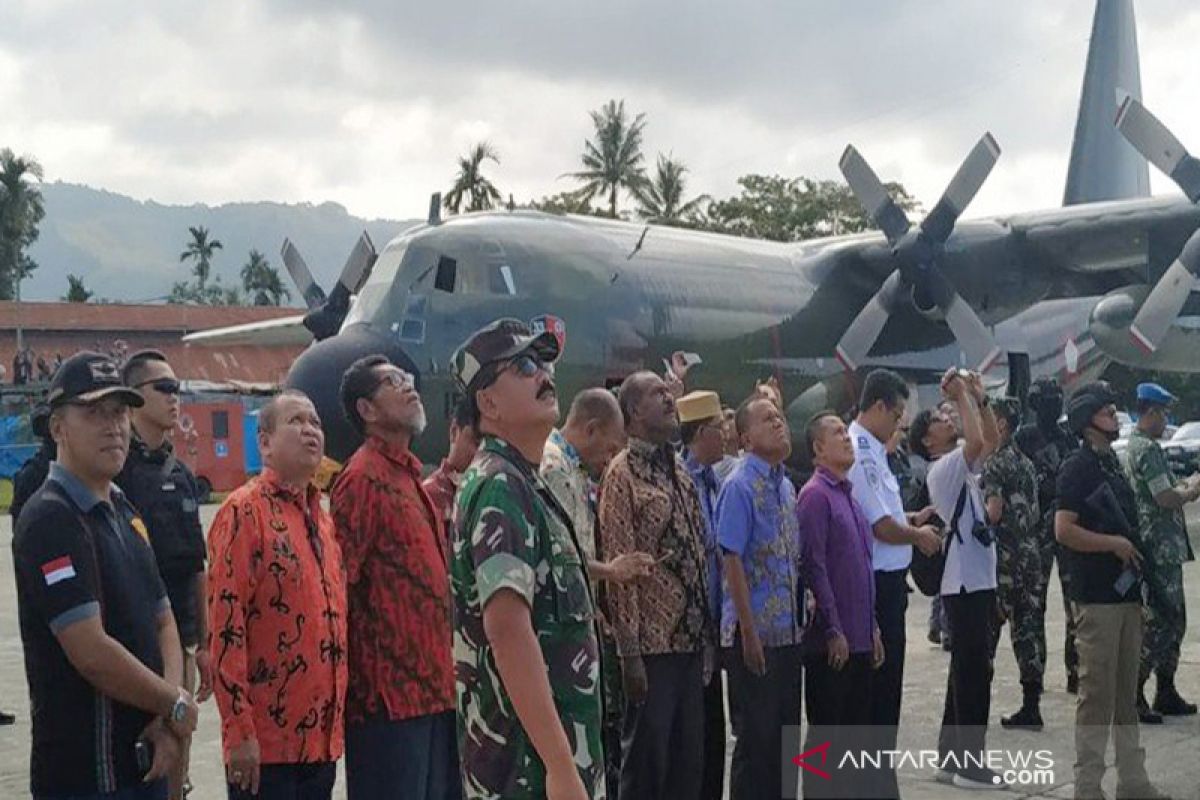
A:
x: 269, y: 333
x: 1101, y: 237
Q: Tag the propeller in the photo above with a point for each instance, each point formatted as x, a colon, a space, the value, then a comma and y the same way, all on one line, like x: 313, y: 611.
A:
x: 313, y: 294
x: 917, y: 253
x: 326, y: 313
x: 1162, y: 306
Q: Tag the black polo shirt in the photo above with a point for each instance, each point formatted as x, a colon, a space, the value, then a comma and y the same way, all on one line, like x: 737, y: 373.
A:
x: 77, y: 557
x: 164, y: 491
x: 1095, y: 488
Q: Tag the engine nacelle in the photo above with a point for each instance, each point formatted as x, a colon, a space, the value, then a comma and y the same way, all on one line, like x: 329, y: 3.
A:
x: 1109, y: 325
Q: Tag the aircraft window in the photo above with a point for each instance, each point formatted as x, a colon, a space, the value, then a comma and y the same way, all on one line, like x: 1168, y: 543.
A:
x: 413, y: 330
x: 447, y: 273
x: 416, y: 305
x: 507, y: 276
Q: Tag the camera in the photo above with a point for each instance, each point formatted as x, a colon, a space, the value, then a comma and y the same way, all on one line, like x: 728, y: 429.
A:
x: 984, y: 534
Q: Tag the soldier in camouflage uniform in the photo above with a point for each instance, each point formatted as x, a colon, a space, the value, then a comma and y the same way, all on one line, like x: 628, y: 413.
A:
x: 1164, y: 546
x: 524, y: 619
x: 1010, y: 492
x: 1053, y: 444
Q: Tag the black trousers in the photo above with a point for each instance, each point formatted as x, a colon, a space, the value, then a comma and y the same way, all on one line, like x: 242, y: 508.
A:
x: 761, y: 708
x: 713, y: 787
x: 887, y: 687
x: 662, y: 742
x: 292, y: 782
x: 837, y: 705
x: 972, y: 616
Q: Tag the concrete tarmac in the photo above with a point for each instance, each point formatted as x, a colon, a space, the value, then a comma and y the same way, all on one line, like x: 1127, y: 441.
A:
x: 1172, y: 749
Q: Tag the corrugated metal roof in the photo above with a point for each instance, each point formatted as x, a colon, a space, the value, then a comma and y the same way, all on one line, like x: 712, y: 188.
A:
x: 240, y: 363
x: 120, y: 317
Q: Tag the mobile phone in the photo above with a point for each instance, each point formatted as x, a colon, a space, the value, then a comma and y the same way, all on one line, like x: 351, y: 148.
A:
x: 143, y: 753
x: 692, y: 359
x: 1126, y: 581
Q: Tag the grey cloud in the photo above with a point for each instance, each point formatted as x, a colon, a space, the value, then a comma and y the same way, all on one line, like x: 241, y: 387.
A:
x: 729, y: 87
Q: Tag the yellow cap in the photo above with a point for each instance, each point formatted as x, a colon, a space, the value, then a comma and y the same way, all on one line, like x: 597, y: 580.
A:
x: 696, y: 406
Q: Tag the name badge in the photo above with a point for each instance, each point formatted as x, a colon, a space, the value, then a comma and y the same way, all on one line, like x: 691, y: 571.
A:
x: 168, y: 487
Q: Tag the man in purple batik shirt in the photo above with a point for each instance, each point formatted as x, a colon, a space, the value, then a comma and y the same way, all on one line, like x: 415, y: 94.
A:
x: 841, y: 643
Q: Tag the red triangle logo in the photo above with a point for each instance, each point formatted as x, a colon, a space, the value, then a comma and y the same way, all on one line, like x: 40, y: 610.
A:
x: 823, y: 751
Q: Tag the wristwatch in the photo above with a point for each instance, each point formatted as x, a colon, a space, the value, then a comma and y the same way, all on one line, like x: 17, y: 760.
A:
x: 179, y: 710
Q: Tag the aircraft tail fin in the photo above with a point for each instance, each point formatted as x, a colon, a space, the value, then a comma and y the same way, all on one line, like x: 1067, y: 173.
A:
x: 1103, y: 165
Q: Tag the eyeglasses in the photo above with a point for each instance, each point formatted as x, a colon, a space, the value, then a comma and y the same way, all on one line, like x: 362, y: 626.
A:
x: 399, y: 380
x: 161, y: 385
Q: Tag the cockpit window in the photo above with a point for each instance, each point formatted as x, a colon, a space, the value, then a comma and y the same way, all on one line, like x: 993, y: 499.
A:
x: 506, y: 279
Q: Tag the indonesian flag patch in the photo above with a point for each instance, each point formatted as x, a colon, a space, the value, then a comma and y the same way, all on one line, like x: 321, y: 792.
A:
x: 60, y: 569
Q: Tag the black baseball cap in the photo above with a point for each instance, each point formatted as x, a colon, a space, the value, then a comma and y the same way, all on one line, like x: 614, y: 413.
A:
x: 86, y: 378
x: 499, y: 340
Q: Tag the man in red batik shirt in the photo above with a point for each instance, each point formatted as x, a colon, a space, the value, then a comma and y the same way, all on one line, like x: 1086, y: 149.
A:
x: 277, y: 617
x: 400, y: 733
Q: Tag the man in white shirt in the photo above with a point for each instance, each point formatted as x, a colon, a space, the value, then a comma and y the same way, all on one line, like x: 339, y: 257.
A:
x: 881, y: 407
x: 969, y: 580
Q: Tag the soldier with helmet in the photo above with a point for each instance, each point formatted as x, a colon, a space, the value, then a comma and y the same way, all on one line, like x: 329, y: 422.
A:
x: 1096, y: 521
x: 1053, y: 444
x: 1165, y: 546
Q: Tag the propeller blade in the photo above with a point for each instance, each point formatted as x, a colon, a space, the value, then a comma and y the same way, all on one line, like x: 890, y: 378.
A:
x: 873, y: 195
x: 962, y: 189
x: 972, y: 335
x: 358, y: 265
x: 1166, y: 299
x: 860, y: 336
x: 1153, y: 140
x: 314, y: 295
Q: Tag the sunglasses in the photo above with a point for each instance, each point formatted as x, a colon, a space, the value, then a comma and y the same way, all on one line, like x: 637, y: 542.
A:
x: 161, y: 385
x: 526, y: 366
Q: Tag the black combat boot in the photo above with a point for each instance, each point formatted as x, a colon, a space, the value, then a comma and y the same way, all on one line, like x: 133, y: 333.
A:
x: 1146, y: 715
x: 1167, y: 700
x: 1029, y: 718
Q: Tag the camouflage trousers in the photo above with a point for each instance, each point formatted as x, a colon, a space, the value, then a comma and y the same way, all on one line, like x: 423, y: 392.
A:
x: 1021, y: 593
x: 614, y: 705
x: 1051, y: 551
x: 1165, y: 613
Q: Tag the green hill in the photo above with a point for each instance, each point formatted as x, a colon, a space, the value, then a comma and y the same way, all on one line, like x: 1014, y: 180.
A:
x: 128, y: 250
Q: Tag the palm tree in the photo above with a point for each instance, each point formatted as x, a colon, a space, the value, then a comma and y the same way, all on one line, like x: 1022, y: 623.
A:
x: 613, y: 159
x: 262, y: 283
x: 76, y: 291
x: 470, y: 182
x: 200, y: 249
x: 661, y: 199
x: 21, y: 210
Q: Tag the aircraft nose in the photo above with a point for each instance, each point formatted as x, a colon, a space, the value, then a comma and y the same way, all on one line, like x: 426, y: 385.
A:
x: 318, y: 373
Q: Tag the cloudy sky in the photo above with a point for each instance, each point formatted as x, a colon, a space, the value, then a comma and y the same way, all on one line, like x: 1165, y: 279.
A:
x: 368, y: 102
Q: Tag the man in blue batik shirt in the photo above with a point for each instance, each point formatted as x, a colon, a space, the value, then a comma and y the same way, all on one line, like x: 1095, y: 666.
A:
x: 701, y: 430
x: 761, y: 620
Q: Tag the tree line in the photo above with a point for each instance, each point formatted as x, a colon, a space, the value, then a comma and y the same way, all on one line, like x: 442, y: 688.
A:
x: 614, y: 164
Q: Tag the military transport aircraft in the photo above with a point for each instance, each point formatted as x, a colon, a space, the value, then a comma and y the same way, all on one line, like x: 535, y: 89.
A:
x: 1065, y: 292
